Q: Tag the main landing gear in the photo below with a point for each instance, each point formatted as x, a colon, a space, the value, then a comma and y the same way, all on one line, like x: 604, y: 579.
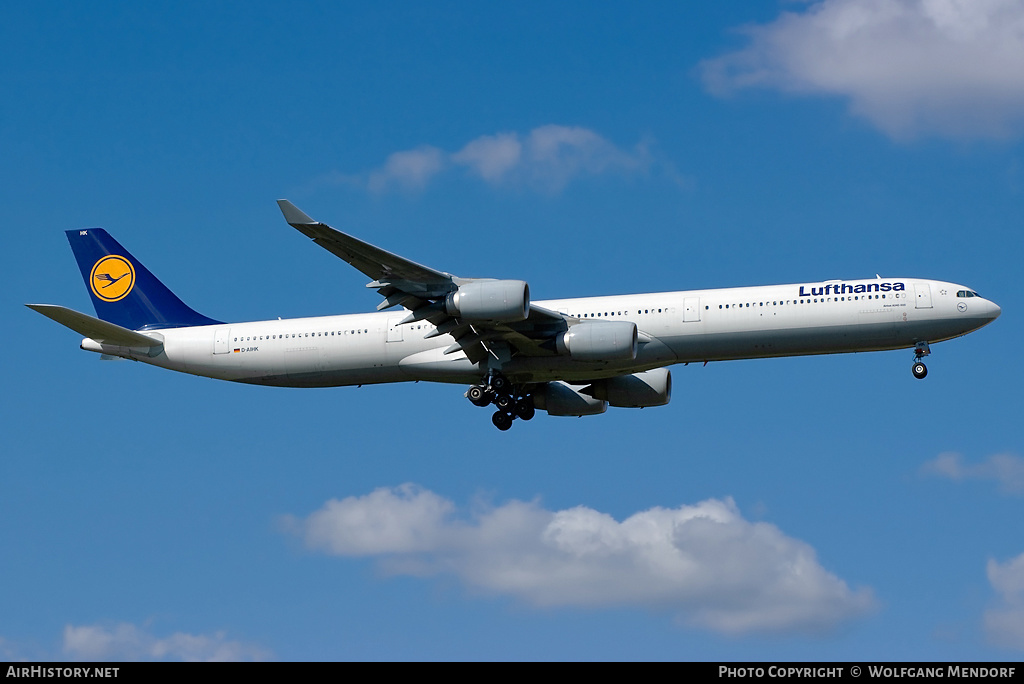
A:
x: 511, y: 401
x: 920, y: 370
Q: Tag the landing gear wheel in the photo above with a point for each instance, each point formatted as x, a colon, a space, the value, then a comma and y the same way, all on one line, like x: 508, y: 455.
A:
x: 920, y: 370
x: 504, y: 402
x: 501, y: 420
x: 478, y: 395
x: 499, y: 383
x: 524, y: 408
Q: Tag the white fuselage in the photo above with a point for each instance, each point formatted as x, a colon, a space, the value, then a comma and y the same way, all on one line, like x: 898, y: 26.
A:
x: 674, y: 327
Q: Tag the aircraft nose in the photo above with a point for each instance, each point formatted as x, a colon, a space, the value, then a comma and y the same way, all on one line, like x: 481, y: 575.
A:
x: 994, y: 311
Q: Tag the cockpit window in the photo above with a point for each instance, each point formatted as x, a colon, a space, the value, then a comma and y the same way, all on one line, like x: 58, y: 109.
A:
x: 967, y: 293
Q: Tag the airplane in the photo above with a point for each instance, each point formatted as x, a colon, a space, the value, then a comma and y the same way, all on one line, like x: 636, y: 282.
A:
x: 568, y: 357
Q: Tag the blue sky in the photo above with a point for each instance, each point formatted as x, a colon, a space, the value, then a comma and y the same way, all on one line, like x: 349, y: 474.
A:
x: 825, y: 508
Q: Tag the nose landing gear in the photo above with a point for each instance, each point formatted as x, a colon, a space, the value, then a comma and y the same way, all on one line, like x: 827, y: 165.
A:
x: 920, y: 370
x: 512, y: 401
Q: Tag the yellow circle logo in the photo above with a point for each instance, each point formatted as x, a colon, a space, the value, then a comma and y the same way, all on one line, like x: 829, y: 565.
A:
x: 112, y: 278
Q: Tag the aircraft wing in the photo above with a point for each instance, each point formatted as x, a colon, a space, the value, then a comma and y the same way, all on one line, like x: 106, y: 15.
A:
x: 380, y: 265
x: 422, y: 290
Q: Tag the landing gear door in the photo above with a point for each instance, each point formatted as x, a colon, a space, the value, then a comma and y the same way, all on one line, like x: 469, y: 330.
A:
x: 222, y: 341
x: 924, y: 296
x: 691, y: 310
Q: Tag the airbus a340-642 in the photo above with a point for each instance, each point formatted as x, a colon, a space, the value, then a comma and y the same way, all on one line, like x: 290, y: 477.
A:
x: 569, y: 357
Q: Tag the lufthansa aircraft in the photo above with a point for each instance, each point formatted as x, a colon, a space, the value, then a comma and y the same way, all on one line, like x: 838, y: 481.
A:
x: 569, y: 357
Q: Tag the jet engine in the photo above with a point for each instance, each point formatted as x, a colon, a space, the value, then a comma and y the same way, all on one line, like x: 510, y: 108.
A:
x: 502, y: 301
x: 604, y: 341
x: 639, y: 390
x: 559, y: 399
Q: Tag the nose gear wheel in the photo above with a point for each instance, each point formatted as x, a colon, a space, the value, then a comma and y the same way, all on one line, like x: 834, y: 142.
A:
x: 920, y: 370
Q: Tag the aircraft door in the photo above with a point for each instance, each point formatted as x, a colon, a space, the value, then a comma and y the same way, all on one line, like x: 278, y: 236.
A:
x: 924, y: 296
x: 394, y: 330
x: 691, y: 310
x: 222, y: 341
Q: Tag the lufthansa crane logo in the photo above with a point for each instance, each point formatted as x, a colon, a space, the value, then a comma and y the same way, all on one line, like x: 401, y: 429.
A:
x: 112, y: 278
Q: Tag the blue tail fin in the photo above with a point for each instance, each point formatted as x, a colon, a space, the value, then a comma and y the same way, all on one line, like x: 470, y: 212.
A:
x: 123, y: 291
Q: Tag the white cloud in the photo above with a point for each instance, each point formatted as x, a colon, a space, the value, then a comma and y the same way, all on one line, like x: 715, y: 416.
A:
x: 911, y: 67
x: 1004, y: 623
x: 703, y: 563
x: 491, y: 156
x: 1005, y: 469
x: 549, y: 157
x: 400, y: 521
x: 545, y: 159
x: 409, y: 170
x: 128, y: 642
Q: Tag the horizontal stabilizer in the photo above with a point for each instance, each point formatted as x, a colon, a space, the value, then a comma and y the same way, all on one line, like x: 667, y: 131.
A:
x: 94, y: 328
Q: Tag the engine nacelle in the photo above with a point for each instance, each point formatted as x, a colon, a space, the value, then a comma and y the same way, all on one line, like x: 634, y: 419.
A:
x: 558, y: 399
x: 639, y: 390
x: 604, y: 341
x: 503, y: 301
